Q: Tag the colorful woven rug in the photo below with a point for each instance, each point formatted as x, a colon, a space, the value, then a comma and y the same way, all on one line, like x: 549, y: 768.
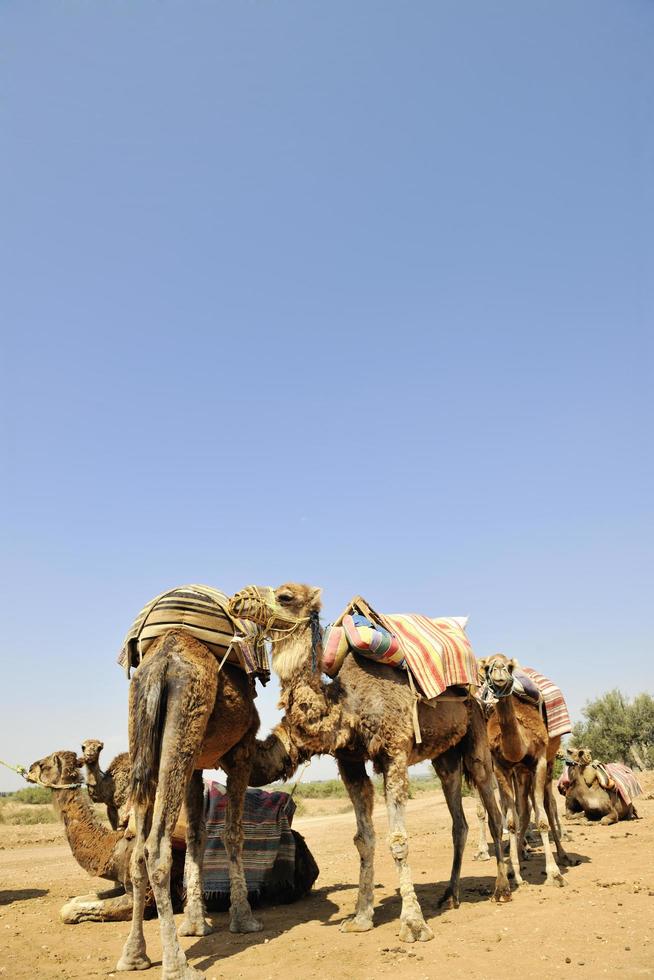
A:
x: 556, y: 710
x: 267, y: 842
x: 625, y: 780
x: 201, y: 611
x: 436, y: 651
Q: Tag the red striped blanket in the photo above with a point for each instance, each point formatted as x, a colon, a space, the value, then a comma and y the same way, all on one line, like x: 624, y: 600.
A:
x: 556, y: 710
x: 625, y: 779
x: 436, y: 651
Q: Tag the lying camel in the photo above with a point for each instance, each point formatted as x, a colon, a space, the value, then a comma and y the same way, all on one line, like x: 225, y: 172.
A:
x: 105, y: 853
x: 366, y: 713
x: 110, y: 787
x: 592, y: 792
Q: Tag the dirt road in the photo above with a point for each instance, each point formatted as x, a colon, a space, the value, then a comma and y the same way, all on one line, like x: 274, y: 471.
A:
x: 600, y: 923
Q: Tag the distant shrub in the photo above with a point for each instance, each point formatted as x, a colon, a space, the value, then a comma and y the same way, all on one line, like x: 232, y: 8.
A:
x: 32, y: 794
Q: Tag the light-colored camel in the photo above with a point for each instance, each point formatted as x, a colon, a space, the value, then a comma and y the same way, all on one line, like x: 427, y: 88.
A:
x: 523, y: 756
x: 590, y: 792
x: 185, y: 715
x: 110, y: 787
x: 366, y: 713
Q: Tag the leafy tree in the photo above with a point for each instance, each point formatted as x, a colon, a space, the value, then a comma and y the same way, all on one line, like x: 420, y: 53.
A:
x: 613, y: 725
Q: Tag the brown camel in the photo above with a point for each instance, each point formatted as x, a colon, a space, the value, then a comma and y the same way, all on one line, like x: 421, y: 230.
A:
x: 366, y: 713
x: 185, y: 715
x: 107, y: 854
x: 102, y: 852
x: 523, y: 756
x: 590, y: 793
x: 110, y: 787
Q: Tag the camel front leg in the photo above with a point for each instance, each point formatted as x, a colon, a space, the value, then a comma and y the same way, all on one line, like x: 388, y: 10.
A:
x: 610, y: 818
x: 240, y: 913
x: 134, y: 956
x: 507, y: 798
x: 90, y: 908
x: 413, y: 927
x: 448, y: 767
x: 480, y: 766
x: 361, y: 792
x: 552, y: 874
x: 194, y: 922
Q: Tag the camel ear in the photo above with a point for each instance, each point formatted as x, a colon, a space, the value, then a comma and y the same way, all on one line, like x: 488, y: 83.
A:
x: 314, y: 598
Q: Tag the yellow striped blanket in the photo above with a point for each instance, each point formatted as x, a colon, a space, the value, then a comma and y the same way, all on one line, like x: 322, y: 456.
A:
x: 201, y: 611
x: 437, y: 652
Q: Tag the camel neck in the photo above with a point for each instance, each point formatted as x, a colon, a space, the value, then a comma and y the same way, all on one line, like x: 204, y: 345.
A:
x: 291, y: 656
x: 91, y: 842
x: 511, y: 730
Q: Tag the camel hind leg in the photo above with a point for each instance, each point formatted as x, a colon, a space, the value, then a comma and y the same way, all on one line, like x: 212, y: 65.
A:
x: 194, y: 922
x: 553, y: 875
x: 450, y: 772
x: 482, y: 853
x: 413, y: 927
x: 241, y: 918
x: 361, y: 792
x: 134, y: 956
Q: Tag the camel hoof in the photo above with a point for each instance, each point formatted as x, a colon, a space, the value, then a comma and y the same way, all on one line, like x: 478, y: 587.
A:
x: 449, y: 901
x: 502, y: 896
x: 245, y: 924
x: 128, y: 963
x: 415, y: 931
x: 195, y: 927
x: 481, y: 856
x: 356, y: 924
x: 555, y: 880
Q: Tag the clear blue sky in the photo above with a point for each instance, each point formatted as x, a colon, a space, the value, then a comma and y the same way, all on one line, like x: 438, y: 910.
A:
x: 355, y: 294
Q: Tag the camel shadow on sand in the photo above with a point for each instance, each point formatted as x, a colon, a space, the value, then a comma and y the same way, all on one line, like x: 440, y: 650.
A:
x: 21, y: 895
x: 276, y: 919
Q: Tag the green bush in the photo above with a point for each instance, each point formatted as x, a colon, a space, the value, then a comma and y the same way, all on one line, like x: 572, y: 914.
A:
x: 614, y: 726
x: 32, y: 794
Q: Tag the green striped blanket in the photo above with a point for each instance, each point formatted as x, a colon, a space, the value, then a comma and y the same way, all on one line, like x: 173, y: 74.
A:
x: 201, y: 611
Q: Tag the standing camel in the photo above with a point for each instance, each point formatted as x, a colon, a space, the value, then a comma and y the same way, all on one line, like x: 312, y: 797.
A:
x: 523, y: 755
x: 366, y: 713
x: 186, y: 714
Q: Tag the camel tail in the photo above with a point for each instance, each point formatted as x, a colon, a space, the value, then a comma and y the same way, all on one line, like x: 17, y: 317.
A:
x: 150, y: 697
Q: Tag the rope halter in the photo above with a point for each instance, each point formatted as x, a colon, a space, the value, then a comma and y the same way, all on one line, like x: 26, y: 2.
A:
x: 495, y: 690
x: 261, y: 606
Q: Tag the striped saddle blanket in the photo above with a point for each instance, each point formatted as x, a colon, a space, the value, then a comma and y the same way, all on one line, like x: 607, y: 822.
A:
x: 624, y: 778
x: 268, y: 844
x: 556, y: 710
x: 201, y: 611
x: 436, y: 652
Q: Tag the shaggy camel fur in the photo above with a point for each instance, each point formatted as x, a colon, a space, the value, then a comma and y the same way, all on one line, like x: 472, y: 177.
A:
x: 110, y: 787
x: 523, y: 755
x: 185, y: 715
x: 590, y: 794
x: 366, y: 713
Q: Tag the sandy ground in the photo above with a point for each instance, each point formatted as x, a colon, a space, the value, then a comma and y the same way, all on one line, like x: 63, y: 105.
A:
x: 600, y: 923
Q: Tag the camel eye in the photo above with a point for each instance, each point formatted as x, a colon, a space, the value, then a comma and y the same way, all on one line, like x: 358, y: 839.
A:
x: 285, y: 597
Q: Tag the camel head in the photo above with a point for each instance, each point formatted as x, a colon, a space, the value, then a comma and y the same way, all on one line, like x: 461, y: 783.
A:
x: 283, y: 614
x: 91, y: 750
x: 578, y: 757
x: 497, y: 672
x: 55, y: 771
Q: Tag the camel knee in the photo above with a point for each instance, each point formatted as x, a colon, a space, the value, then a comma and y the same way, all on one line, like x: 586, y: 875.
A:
x: 399, y: 845
x: 364, y: 844
x: 159, y: 861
